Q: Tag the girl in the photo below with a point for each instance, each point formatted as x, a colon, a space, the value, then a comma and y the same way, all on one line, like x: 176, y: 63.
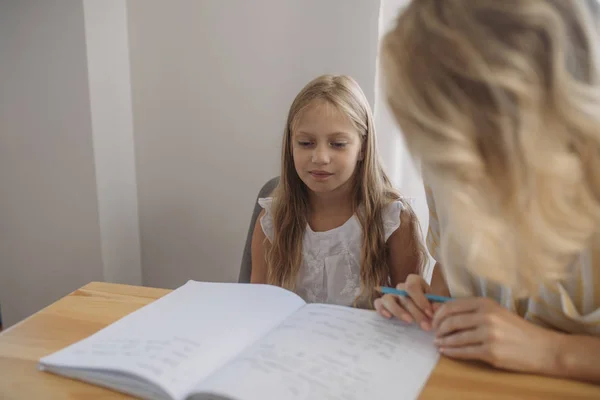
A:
x: 501, y: 102
x: 334, y: 228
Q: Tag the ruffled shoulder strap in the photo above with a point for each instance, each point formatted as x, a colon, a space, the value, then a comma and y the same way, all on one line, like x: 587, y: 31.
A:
x: 266, y: 222
x: 391, y: 218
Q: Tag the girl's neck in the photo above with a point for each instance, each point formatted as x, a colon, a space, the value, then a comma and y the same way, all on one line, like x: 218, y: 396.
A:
x: 339, y: 200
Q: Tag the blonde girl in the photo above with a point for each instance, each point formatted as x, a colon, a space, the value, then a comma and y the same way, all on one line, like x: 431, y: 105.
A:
x: 334, y: 228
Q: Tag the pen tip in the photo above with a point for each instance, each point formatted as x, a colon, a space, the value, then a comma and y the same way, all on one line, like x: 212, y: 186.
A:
x: 378, y: 288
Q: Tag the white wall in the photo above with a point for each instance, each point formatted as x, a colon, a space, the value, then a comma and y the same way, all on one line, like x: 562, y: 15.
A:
x: 49, y: 231
x: 68, y: 205
x: 212, y: 81
x: 112, y: 132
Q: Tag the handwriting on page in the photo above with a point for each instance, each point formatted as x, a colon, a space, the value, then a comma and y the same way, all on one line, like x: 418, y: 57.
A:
x: 158, y: 357
x: 334, y: 353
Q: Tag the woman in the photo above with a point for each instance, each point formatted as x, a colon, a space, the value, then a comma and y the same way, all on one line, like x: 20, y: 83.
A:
x: 501, y: 102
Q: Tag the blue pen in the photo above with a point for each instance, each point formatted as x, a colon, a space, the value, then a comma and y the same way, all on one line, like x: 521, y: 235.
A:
x: 432, y: 297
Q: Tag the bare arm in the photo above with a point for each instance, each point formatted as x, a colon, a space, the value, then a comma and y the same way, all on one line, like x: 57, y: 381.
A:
x: 438, y: 283
x: 479, y: 328
x: 259, y: 263
x: 577, y: 357
x: 404, y: 255
x: 404, y: 270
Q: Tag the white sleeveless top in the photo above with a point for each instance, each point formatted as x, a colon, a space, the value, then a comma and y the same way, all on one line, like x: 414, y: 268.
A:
x: 330, y: 270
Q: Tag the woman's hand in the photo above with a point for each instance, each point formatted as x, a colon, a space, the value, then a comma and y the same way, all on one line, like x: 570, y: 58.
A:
x: 475, y: 328
x: 415, y: 308
x: 478, y: 328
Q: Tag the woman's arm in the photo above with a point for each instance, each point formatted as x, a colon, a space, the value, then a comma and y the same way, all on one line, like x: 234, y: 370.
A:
x: 479, y: 328
x: 577, y: 357
x: 405, y: 254
x: 259, y: 262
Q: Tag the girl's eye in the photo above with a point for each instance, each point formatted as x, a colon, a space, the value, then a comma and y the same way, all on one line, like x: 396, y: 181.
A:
x: 338, y: 145
x: 305, y: 143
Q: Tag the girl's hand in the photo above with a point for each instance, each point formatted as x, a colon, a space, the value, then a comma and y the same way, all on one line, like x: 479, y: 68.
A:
x: 415, y: 308
x: 480, y: 329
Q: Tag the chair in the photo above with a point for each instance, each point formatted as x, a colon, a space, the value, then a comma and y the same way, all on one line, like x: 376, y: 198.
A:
x: 246, y: 267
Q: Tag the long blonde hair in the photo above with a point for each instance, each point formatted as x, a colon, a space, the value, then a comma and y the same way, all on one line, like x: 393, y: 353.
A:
x: 501, y: 102
x: 372, y: 191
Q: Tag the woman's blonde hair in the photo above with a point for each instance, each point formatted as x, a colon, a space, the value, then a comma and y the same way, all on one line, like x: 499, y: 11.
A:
x: 500, y: 99
x: 372, y: 191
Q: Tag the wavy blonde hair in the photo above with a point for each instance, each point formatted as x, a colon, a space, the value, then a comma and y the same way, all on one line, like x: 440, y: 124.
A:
x: 372, y: 191
x: 501, y: 102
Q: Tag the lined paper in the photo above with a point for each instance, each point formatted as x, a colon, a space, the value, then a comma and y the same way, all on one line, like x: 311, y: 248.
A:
x: 183, y: 337
x: 330, y: 352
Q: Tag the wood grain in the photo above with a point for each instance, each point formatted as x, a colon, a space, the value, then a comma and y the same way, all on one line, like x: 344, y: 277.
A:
x: 98, y: 304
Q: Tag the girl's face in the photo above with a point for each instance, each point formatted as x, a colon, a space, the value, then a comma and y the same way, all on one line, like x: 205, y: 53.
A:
x: 326, y: 148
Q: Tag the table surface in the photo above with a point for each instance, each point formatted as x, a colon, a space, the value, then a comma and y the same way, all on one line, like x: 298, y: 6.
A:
x: 98, y: 304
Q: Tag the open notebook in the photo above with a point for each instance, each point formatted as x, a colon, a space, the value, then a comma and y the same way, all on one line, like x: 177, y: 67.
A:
x: 247, y: 342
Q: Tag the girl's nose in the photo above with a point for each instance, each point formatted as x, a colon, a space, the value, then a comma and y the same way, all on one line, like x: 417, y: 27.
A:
x: 321, y: 155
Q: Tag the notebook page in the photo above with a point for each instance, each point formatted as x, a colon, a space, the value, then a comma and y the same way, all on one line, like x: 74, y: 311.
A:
x: 330, y: 352
x: 181, y: 338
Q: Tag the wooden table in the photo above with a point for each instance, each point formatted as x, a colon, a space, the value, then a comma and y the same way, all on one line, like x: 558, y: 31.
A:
x: 96, y: 305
